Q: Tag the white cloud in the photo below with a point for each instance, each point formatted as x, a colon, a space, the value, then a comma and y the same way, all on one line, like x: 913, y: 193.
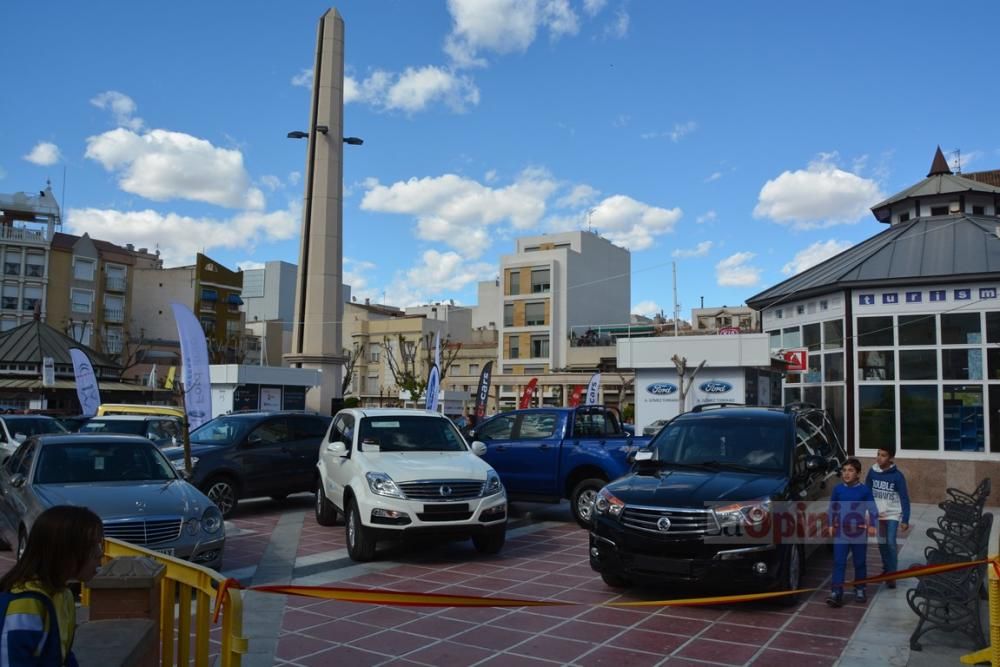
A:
x: 714, y: 176
x: 618, y: 28
x: 707, y: 216
x: 180, y: 237
x: 819, y: 196
x: 249, y: 264
x: 699, y: 250
x: 621, y: 120
x: 503, y: 26
x: 121, y: 106
x: 435, y: 277
x: 457, y: 210
x: 490, y: 176
x: 593, y: 7
x: 355, y: 274
x: 162, y: 165
x: 630, y: 223
x: 814, y: 254
x: 734, y: 271
x: 415, y: 89
x: 647, y: 308
x: 678, y: 132
x: 271, y: 182
x: 294, y: 177
x: 961, y: 161
x: 44, y: 154
x: 580, y: 195
x: 304, y: 79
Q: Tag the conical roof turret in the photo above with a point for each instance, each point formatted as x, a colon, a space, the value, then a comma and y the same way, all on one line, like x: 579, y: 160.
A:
x: 939, y: 165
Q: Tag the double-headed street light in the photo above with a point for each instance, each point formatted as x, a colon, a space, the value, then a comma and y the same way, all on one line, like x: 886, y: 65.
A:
x: 323, y: 129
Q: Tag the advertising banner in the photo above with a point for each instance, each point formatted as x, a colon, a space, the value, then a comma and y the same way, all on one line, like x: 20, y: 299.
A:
x: 593, y: 389
x: 194, y: 367
x: 433, y: 387
x: 577, y: 395
x: 86, y: 383
x: 483, y: 392
x: 529, y: 393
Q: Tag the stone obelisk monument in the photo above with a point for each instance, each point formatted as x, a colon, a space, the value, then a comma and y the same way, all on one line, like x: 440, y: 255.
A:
x: 316, y: 333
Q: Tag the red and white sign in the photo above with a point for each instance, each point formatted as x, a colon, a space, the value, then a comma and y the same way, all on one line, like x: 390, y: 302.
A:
x: 798, y: 359
x: 729, y: 331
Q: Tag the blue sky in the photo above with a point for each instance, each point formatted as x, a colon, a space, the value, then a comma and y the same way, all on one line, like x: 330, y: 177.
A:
x: 745, y: 141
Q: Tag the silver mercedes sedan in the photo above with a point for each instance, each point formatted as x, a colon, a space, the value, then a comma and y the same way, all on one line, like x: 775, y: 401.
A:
x: 124, y: 479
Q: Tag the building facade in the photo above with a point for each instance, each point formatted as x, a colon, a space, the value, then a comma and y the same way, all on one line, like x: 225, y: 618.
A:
x: 901, y: 333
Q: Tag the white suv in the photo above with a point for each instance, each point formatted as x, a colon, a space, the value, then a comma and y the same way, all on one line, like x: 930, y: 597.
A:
x: 398, y: 473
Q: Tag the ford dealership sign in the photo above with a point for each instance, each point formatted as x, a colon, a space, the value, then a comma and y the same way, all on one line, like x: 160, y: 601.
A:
x: 661, y: 388
x: 715, y: 387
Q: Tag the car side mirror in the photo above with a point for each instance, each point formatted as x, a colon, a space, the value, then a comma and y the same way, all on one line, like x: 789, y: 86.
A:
x: 479, y: 448
x: 816, y: 464
x: 641, y: 456
x: 18, y: 480
x: 336, y: 449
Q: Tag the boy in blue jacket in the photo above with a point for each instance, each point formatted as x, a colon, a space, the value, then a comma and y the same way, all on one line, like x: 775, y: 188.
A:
x: 893, y: 500
x: 851, y: 520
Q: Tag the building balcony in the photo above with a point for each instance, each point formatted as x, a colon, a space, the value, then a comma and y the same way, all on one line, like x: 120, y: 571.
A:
x: 22, y: 235
x: 113, y: 346
x: 114, y: 315
x: 114, y: 284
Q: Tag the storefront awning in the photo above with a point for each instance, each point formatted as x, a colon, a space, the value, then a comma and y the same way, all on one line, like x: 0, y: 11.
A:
x: 234, y: 299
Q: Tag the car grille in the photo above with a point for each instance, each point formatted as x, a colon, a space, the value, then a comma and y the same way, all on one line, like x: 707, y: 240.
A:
x: 144, y: 531
x: 682, y: 521
x: 443, y: 490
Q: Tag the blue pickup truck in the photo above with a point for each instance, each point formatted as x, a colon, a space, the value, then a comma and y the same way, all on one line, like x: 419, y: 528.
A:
x: 547, y: 454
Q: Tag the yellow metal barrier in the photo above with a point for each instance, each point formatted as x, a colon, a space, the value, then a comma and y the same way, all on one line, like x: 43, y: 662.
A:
x: 184, y: 583
x: 990, y: 654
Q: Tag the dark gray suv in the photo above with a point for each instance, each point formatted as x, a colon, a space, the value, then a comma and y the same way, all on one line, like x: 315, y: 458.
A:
x: 253, y: 454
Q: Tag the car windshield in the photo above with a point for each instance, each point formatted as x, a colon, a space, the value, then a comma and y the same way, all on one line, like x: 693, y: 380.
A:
x: 99, y: 462
x: 405, y: 433
x: 34, y: 426
x: 724, y: 442
x: 221, y: 430
x: 129, y: 426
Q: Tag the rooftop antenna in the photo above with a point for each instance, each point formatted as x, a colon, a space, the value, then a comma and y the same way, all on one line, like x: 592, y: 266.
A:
x: 958, y: 160
x: 62, y: 197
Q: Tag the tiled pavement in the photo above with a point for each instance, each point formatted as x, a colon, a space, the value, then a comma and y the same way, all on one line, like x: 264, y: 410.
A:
x: 542, y: 560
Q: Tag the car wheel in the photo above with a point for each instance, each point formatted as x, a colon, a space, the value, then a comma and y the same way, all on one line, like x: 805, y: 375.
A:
x: 22, y: 542
x: 614, y: 580
x: 791, y: 578
x: 491, y: 541
x: 360, y: 545
x: 326, y: 513
x: 582, y: 499
x: 222, y: 491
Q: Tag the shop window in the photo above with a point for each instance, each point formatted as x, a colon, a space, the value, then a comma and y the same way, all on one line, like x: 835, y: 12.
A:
x: 875, y: 331
x: 994, y: 417
x: 810, y: 336
x: 876, y: 366
x: 833, y: 334
x: 993, y: 364
x: 835, y: 406
x: 791, y: 337
x: 963, y: 418
x: 993, y: 327
x: 918, y: 365
x: 876, y: 416
x: 962, y: 364
x: 960, y: 329
x: 793, y: 378
x: 917, y: 330
x: 833, y: 370
x: 815, y: 372
x: 792, y: 395
x: 775, y: 339
x: 813, y: 395
x: 918, y: 417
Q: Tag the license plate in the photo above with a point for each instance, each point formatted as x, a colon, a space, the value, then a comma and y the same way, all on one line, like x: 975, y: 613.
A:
x: 169, y: 551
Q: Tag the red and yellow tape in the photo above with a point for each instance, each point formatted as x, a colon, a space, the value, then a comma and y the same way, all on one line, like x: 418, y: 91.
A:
x: 405, y: 599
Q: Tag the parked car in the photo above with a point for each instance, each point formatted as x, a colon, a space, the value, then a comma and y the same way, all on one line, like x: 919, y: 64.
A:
x: 546, y: 454
x: 710, y: 478
x: 654, y: 427
x: 124, y: 479
x: 163, y: 431
x: 15, y: 429
x: 253, y: 454
x: 72, y: 423
x: 394, y: 474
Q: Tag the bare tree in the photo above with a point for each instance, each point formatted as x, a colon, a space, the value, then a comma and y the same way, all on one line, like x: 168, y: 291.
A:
x: 133, y: 348
x: 404, y: 369
x: 448, y: 352
x: 625, y: 384
x: 352, y: 360
x: 684, y: 380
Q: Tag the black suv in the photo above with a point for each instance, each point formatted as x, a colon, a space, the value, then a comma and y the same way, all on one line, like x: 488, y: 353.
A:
x: 251, y: 454
x: 707, y: 497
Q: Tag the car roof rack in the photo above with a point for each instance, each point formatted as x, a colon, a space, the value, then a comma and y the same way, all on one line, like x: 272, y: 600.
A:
x: 715, y: 406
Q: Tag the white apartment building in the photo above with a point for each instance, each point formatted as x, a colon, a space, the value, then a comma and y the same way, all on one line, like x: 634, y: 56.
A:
x: 555, y: 287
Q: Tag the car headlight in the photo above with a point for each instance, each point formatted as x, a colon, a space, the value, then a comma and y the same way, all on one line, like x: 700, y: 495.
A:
x: 749, y: 513
x: 179, y: 463
x: 192, y: 526
x: 381, y: 484
x: 492, y: 485
x: 211, y: 520
x: 608, y: 503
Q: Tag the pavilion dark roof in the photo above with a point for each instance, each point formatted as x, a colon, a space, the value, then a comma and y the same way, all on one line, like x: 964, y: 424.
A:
x: 937, y: 249
x: 34, y: 340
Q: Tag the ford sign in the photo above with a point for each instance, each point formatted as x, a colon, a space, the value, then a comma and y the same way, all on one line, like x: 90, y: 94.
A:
x: 715, y: 387
x: 661, y: 388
